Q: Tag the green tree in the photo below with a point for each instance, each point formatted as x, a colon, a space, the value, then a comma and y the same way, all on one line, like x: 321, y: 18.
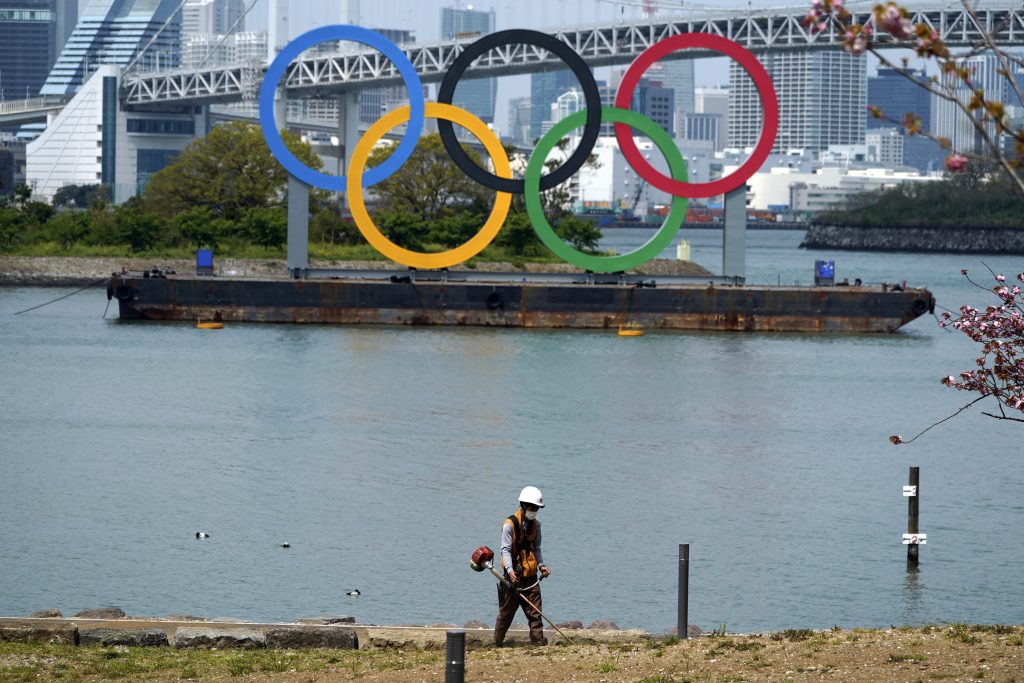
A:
x: 12, y: 227
x: 229, y: 172
x: 200, y: 227
x: 267, y: 227
x: 137, y: 228
x: 328, y: 227
x: 518, y: 236
x: 66, y: 229
x: 429, y: 185
x: 77, y: 196
x: 581, y: 233
x: 403, y: 228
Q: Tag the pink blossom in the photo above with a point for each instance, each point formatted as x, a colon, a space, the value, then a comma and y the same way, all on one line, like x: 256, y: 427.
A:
x: 1000, y: 278
x: 856, y: 43
x: 891, y: 20
x: 956, y: 163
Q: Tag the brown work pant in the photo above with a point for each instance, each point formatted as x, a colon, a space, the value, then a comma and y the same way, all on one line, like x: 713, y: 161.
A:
x: 509, y: 601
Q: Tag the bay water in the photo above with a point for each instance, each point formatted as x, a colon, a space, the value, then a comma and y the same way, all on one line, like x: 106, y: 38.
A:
x: 385, y: 455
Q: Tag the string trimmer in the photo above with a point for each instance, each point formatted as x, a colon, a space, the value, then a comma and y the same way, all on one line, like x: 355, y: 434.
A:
x: 481, y: 560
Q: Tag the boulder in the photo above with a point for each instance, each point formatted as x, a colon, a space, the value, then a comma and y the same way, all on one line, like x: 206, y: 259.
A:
x: 300, y: 637
x: 53, y: 634
x: 475, y: 624
x: 131, y: 638
x: 327, y: 619
x: 576, y: 625
x: 400, y: 639
x: 101, y: 613
x: 46, y: 614
x: 238, y: 638
x: 604, y: 626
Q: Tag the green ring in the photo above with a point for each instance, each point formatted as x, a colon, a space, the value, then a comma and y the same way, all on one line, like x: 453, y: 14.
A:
x: 605, y: 264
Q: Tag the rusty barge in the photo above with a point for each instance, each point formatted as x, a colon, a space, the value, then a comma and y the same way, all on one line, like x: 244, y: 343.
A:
x: 517, y: 300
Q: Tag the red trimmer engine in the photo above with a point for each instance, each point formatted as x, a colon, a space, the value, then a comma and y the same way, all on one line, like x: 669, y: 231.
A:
x: 481, y: 558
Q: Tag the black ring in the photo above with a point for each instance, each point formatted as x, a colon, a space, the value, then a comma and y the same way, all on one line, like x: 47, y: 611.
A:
x: 572, y: 59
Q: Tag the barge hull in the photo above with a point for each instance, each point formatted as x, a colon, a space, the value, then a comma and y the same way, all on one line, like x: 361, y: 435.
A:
x: 525, y: 304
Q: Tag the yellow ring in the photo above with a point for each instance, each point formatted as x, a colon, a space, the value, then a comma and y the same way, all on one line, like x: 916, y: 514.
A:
x: 416, y: 259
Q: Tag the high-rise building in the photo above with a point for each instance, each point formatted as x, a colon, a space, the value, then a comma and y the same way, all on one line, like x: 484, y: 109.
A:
x: 677, y: 75
x: 519, y: 120
x: 32, y: 33
x: 895, y: 96
x: 545, y: 87
x: 114, y: 32
x: 657, y: 102
x: 885, y: 146
x: 477, y: 96
x: 375, y: 102
x: 702, y: 127
x: 715, y: 102
x: 212, y: 16
x: 950, y: 122
x: 208, y: 49
x: 821, y: 99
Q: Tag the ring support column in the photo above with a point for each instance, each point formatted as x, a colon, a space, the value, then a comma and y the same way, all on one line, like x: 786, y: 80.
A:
x: 734, y: 237
x: 298, y: 227
x: 298, y: 205
x: 348, y: 130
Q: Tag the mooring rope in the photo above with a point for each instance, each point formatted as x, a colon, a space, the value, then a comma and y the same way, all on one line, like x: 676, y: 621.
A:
x: 61, y: 298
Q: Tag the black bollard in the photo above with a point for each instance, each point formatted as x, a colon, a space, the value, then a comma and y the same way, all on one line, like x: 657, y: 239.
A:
x: 682, y: 617
x: 455, y: 657
x: 912, y: 509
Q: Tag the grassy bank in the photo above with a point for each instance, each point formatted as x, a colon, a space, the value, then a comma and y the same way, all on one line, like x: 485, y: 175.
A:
x: 955, y: 652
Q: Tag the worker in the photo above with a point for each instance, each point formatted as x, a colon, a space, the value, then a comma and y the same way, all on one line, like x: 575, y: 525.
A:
x: 524, y: 567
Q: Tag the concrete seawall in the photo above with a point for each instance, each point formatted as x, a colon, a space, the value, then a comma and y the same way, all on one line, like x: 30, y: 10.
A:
x: 135, y: 631
x: 966, y: 240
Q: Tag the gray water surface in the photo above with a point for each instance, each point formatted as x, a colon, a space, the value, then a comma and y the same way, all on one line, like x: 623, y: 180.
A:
x: 385, y: 455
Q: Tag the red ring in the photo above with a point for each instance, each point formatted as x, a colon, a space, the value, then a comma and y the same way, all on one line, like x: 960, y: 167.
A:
x: 765, y: 88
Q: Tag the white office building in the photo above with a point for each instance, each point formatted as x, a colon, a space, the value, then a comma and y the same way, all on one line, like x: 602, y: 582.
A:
x: 821, y: 98
x: 93, y: 141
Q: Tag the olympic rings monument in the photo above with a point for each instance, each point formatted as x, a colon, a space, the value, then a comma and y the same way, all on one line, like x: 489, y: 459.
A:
x: 600, y: 295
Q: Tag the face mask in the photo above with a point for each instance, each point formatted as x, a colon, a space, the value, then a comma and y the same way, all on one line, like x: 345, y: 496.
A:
x: 531, y: 515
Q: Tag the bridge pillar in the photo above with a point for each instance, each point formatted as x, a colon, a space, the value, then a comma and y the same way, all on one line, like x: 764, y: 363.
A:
x: 348, y: 132
x: 734, y: 237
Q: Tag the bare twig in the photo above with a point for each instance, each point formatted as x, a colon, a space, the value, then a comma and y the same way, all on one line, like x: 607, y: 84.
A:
x: 897, y: 440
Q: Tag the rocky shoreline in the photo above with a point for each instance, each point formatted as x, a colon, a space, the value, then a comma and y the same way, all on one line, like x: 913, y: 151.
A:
x: 53, y: 271
x: 960, y: 240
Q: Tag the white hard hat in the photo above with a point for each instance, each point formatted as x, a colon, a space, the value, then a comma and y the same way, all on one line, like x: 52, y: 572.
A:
x: 531, y: 495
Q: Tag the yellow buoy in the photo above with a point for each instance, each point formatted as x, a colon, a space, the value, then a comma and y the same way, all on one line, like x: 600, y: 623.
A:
x: 209, y: 326
x: 631, y: 331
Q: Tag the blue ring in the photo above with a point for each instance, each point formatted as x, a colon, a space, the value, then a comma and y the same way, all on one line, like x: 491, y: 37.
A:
x: 356, y: 34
